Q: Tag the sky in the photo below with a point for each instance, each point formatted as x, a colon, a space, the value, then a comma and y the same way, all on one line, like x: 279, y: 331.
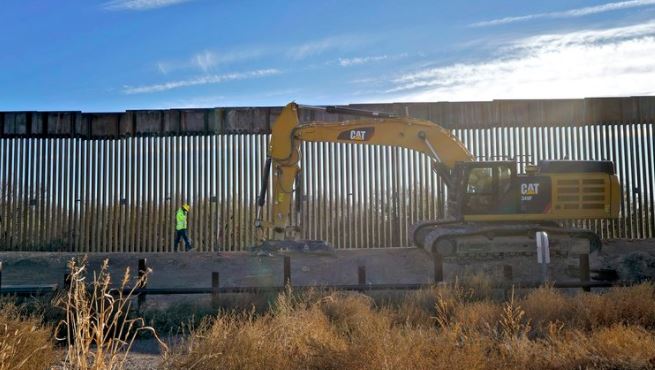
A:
x: 114, y: 55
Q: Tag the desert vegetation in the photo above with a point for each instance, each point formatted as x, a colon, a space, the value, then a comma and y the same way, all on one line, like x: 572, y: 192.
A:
x: 449, y: 327
x: 93, y: 326
x: 98, y: 330
x: 464, y: 325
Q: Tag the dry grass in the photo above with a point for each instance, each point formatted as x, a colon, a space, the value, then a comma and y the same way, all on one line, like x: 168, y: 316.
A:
x: 99, y: 331
x: 439, y: 328
x: 24, y: 342
x: 445, y: 327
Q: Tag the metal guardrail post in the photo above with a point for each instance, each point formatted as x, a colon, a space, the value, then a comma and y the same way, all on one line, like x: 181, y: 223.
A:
x: 215, y: 289
x: 508, y: 274
x: 287, y: 270
x: 437, y: 261
x: 361, y: 276
x: 584, y: 272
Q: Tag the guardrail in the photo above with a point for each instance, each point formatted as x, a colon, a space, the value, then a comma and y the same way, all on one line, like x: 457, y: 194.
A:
x: 216, y: 290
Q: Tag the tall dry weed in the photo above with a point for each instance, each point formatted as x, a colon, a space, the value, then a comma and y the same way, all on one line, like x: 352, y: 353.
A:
x: 513, y: 323
x: 99, y: 331
x: 478, y: 317
x: 546, y: 306
x: 416, y: 308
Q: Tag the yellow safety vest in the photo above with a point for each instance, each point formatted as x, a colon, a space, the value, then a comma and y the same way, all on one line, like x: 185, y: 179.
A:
x: 180, y: 217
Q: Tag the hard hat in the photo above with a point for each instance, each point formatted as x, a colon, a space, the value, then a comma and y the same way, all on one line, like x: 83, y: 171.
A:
x: 186, y: 207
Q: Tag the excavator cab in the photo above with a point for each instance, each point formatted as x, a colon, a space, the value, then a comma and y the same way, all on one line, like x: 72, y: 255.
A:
x: 485, y: 187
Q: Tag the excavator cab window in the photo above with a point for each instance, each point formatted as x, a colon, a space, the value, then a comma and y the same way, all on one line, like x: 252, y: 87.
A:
x: 480, y: 181
x: 479, y: 190
x: 486, y: 188
x: 504, y: 179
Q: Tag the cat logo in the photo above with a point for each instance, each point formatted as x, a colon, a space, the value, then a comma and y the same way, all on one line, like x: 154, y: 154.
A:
x: 360, y: 134
x: 528, y: 190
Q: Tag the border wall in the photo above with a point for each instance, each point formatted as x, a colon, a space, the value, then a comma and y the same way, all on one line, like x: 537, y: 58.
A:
x: 111, y: 182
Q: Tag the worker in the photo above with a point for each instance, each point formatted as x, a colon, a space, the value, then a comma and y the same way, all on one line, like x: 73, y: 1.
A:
x: 181, y: 227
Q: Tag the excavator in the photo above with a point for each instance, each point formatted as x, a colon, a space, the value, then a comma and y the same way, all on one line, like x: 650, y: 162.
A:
x: 492, y: 210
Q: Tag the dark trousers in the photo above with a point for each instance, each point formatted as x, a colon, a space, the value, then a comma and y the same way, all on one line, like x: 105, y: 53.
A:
x: 182, y: 234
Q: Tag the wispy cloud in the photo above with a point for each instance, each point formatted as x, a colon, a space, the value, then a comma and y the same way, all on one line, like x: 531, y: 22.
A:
x: 347, y: 62
x: 571, y: 13
x: 610, y: 62
x: 163, y: 67
x: 364, y: 80
x: 312, y: 48
x: 207, y: 59
x: 140, y: 4
x: 202, y: 80
x: 317, y: 47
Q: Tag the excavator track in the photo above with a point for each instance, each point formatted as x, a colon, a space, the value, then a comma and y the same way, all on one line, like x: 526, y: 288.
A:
x: 466, y: 241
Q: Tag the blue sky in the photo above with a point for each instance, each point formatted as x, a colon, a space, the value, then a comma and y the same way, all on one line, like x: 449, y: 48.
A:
x: 136, y: 54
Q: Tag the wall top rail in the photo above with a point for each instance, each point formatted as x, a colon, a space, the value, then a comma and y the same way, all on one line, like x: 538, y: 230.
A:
x: 257, y: 120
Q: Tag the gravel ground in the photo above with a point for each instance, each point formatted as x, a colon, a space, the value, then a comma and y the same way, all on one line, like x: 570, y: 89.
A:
x: 145, y: 355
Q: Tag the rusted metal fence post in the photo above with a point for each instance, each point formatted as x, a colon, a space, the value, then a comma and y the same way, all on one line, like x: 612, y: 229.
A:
x: 141, y: 299
x: 584, y: 271
x: 508, y: 274
x: 437, y: 261
x: 215, y: 289
x: 287, y: 270
x: 361, y: 276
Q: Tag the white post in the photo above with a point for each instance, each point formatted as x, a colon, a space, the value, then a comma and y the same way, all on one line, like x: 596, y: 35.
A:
x: 543, y: 253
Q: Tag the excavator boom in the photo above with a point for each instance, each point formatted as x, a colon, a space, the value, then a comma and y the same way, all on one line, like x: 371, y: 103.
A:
x: 287, y: 133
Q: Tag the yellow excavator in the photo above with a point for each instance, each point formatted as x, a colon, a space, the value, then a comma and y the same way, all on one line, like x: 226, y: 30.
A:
x: 492, y: 210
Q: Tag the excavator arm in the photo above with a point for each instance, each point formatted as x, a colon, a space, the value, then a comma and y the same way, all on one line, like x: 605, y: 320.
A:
x: 374, y: 128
